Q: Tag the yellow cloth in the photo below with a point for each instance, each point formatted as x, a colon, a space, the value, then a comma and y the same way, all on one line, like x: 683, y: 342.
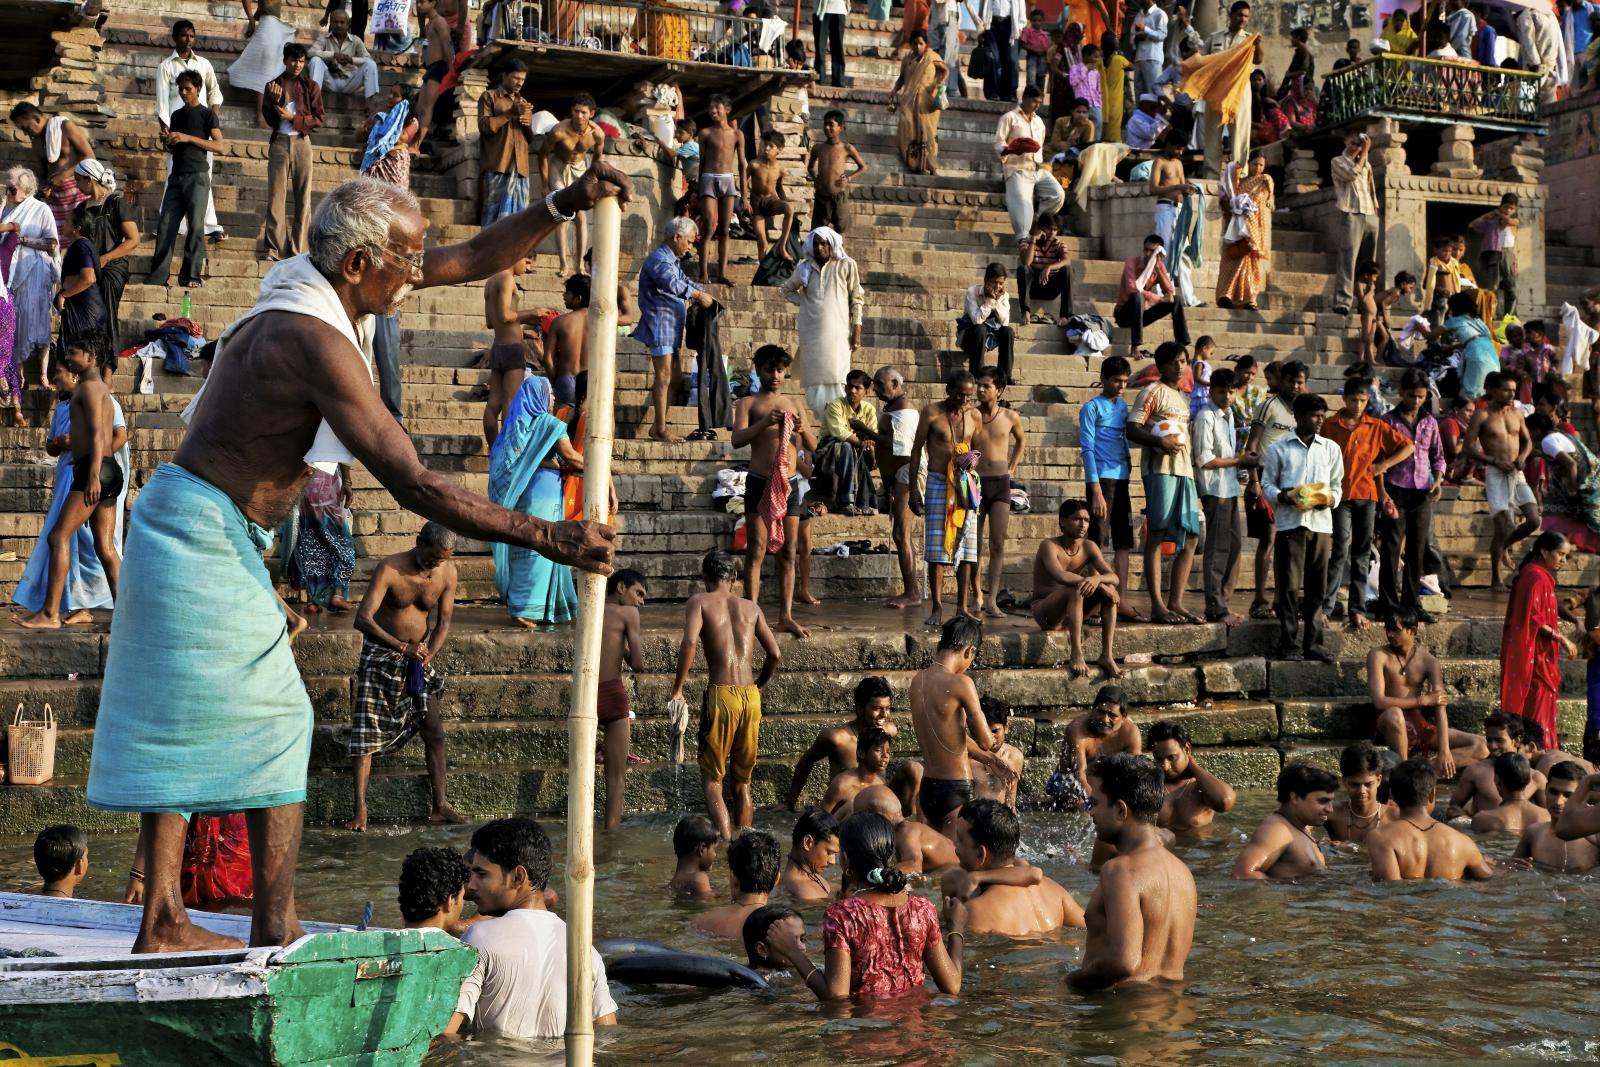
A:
x: 1221, y: 79
x: 1113, y: 96
x: 837, y: 415
x: 955, y: 516
x: 1400, y: 40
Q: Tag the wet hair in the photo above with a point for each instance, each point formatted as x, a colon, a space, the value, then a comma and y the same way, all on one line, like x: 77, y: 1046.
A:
x: 1112, y: 366
x: 1401, y: 619
x: 754, y: 859
x: 774, y: 138
x: 963, y: 631
x: 771, y: 356
x: 437, y: 535
x: 1111, y: 694
x: 515, y: 842
x: 579, y: 286
x: 1134, y: 780
x: 994, y: 826
x: 27, y: 109
x: 867, y: 841
x: 873, y: 737
x: 58, y: 849
x: 1566, y: 771
x: 1223, y: 378
x: 185, y: 77
x: 1512, y: 771
x: 1532, y: 733
x: 291, y: 52
x: 1303, y: 779
x: 815, y: 823
x: 1167, y: 353
x: 1497, y: 721
x: 1359, y: 757
x: 429, y: 877
x: 624, y: 579
x: 692, y: 833
x: 1289, y: 370
x: 1070, y: 508
x: 1413, y: 378
x: 1309, y: 404
x: 756, y: 925
x: 871, y: 688
x: 833, y: 115
x: 859, y: 377
x: 181, y: 25
x: 718, y: 566
x: 1411, y: 782
x: 1167, y: 730
x: 996, y: 712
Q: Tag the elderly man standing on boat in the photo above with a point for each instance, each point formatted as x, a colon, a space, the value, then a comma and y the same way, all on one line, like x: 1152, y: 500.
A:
x: 203, y: 708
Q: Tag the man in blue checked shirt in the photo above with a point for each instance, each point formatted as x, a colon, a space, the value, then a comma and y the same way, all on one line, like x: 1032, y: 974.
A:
x: 663, y: 290
x: 1103, y: 439
x: 1304, y: 534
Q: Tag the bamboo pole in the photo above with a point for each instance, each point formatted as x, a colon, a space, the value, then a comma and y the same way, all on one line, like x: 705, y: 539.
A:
x: 606, y: 220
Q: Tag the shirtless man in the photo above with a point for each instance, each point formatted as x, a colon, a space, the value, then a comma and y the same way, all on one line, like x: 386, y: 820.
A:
x: 508, y: 358
x: 1581, y: 816
x: 1361, y: 774
x: 1476, y: 790
x: 1194, y: 794
x: 919, y: 848
x: 753, y: 860
x: 948, y: 719
x: 437, y: 60
x: 1282, y: 848
x: 873, y: 701
x: 942, y: 426
x: 1141, y: 917
x: 57, y: 187
x: 620, y: 642
x: 1413, y: 845
x: 814, y: 847
x: 97, y: 480
x: 1405, y: 284
x: 766, y: 422
x: 1499, y: 439
x: 1366, y: 304
x: 1542, y: 845
x: 570, y: 142
x: 722, y: 184
x: 566, y: 342
x: 1071, y: 578
x: 987, y: 834
x: 404, y: 618
x: 874, y: 750
x: 999, y: 441
x: 1513, y: 778
x: 1168, y: 187
x: 897, y: 430
x: 1104, y: 730
x: 767, y: 197
x: 1407, y: 689
x: 730, y: 722
x: 825, y: 167
x: 987, y: 786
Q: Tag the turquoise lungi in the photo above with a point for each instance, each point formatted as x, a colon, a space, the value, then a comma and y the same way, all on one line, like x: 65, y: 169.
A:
x: 1171, y: 508
x: 202, y: 707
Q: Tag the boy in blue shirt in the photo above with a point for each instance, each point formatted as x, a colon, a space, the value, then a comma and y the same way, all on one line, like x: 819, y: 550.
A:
x: 1103, y: 439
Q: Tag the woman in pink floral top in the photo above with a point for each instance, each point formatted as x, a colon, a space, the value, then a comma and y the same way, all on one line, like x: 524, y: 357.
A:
x: 881, y: 941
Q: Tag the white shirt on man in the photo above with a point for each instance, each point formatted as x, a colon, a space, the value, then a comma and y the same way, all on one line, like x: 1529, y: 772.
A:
x: 1214, y: 438
x: 979, y: 305
x: 1014, y: 124
x: 1153, y: 49
x: 1291, y: 463
x: 167, y: 71
x: 519, y: 986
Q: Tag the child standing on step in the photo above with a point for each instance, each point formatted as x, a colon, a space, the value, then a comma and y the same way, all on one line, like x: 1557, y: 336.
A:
x: 825, y: 168
x: 619, y: 636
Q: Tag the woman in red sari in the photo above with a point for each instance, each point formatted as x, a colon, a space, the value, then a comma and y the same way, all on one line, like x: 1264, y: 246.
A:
x: 1532, y: 642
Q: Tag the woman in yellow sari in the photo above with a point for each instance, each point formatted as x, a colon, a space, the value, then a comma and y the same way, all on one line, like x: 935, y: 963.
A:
x: 1247, y: 239
x: 922, y: 74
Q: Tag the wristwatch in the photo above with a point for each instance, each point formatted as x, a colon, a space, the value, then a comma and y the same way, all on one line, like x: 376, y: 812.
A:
x: 555, y: 212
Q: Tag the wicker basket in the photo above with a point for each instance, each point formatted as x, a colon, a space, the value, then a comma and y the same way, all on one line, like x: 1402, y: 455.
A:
x: 32, y: 746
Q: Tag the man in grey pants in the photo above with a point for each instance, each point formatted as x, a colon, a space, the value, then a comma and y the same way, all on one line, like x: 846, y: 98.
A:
x: 1216, y: 466
x: 1357, y: 198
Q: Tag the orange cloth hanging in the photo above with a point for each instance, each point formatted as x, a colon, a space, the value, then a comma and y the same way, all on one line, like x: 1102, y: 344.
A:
x: 1221, y: 80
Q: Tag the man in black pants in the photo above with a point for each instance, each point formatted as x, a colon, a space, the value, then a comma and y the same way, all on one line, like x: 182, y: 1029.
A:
x: 1044, y: 271
x: 1304, y: 521
x: 1411, y: 486
x: 1147, y: 294
x: 985, y: 323
x: 827, y: 33
x: 191, y: 131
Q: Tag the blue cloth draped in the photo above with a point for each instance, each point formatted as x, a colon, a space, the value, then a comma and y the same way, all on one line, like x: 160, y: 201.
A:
x: 202, y: 707
x: 86, y: 581
x: 385, y: 134
x: 532, y: 586
x: 1479, y: 357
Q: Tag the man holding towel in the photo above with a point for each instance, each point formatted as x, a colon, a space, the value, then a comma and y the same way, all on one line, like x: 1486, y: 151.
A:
x: 203, y: 707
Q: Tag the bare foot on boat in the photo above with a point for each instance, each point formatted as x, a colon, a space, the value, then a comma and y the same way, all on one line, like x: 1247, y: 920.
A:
x: 182, y: 938
x: 445, y: 815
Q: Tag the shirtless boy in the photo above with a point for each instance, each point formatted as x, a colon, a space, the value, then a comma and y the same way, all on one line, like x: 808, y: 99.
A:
x: 730, y: 715
x: 874, y: 750
x: 766, y: 422
x: 1413, y: 845
x: 942, y: 427
x: 695, y: 843
x: 722, y: 184
x: 1072, y: 578
x: 97, y: 480
x: 1361, y: 774
x: 1141, y: 916
x: 897, y: 430
x: 619, y: 640
x: 1405, y: 284
x: 1366, y: 304
x: 987, y: 833
x: 767, y: 197
x: 987, y: 786
x: 569, y: 142
x: 1282, y: 847
x: 1581, y: 816
x: 1476, y: 790
x: 1541, y: 844
x: 437, y: 60
x: 1406, y: 685
x: 1104, y: 730
x: 566, y: 342
x: 999, y: 441
x: 1513, y: 778
x: 825, y: 167
x: 919, y: 848
x: 752, y: 875
x: 1499, y: 439
x: 508, y: 358
x: 873, y: 700
x: 814, y: 847
x: 1194, y: 794
x: 404, y: 619
x: 948, y: 719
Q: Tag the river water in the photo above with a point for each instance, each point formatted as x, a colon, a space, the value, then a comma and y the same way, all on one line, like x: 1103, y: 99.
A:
x: 1337, y: 971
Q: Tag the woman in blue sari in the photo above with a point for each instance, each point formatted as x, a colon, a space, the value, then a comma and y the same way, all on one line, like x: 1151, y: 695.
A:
x: 525, y: 475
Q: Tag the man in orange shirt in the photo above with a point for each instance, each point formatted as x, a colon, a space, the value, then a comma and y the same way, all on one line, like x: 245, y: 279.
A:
x: 1370, y: 447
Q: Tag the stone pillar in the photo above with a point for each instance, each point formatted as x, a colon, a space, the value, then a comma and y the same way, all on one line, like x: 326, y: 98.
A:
x: 1456, y: 154
x: 1388, y: 152
x: 474, y: 83
x: 1302, y: 175
x: 1521, y: 160
x: 72, y: 85
x: 1208, y: 17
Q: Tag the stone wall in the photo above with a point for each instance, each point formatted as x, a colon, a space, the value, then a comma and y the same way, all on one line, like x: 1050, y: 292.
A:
x: 1572, y: 154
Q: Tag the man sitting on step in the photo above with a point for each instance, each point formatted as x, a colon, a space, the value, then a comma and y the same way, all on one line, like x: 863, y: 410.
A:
x: 340, y: 62
x: 1407, y: 689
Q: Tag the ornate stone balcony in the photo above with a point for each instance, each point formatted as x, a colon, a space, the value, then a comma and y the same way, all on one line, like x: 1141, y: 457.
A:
x: 1444, y: 92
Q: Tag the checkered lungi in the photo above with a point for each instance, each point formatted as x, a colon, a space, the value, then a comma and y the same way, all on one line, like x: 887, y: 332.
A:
x: 385, y: 716
x: 935, y: 505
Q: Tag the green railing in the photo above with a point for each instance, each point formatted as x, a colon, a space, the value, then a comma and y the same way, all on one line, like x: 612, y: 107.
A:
x: 1442, y: 91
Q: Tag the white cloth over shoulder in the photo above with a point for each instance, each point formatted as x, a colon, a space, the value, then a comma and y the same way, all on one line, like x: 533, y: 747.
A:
x: 295, y: 286
x: 52, y: 138
x: 1580, y: 339
x: 1239, y: 206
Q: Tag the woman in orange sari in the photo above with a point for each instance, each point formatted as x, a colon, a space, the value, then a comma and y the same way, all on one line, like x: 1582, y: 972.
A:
x: 1532, y: 642
x: 1247, y: 204
x: 922, y: 74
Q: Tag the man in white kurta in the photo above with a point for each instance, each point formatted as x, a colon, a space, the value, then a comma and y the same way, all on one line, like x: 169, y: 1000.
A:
x: 826, y: 287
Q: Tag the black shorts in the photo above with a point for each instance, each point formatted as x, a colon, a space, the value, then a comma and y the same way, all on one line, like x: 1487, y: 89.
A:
x: 994, y: 489
x: 938, y: 797
x: 110, y: 477
x: 436, y: 71
x: 1116, y: 532
x: 755, y: 490
x: 831, y: 209
x: 506, y: 357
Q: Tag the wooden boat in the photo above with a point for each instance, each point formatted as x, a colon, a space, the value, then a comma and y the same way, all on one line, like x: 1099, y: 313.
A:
x: 337, y: 996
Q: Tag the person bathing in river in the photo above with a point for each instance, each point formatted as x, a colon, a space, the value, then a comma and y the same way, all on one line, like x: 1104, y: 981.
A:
x: 873, y: 700
x: 1476, y: 789
x: 1194, y: 794
x: 1282, y: 848
x: 1513, y: 778
x: 987, y: 834
x: 814, y: 847
x: 753, y: 874
x: 997, y: 713
x: 1406, y: 684
x: 1361, y: 773
x: 1103, y: 731
x: 919, y: 848
x: 694, y: 841
x: 433, y: 890
x: 874, y: 750
x: 619, y: 639
x: 1413, y: 845
x: 1072, y: 579
x: 1541, y: 844
x: 948, y: 719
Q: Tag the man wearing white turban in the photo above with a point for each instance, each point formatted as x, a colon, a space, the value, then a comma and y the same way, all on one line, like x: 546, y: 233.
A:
x: 826, y: 287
